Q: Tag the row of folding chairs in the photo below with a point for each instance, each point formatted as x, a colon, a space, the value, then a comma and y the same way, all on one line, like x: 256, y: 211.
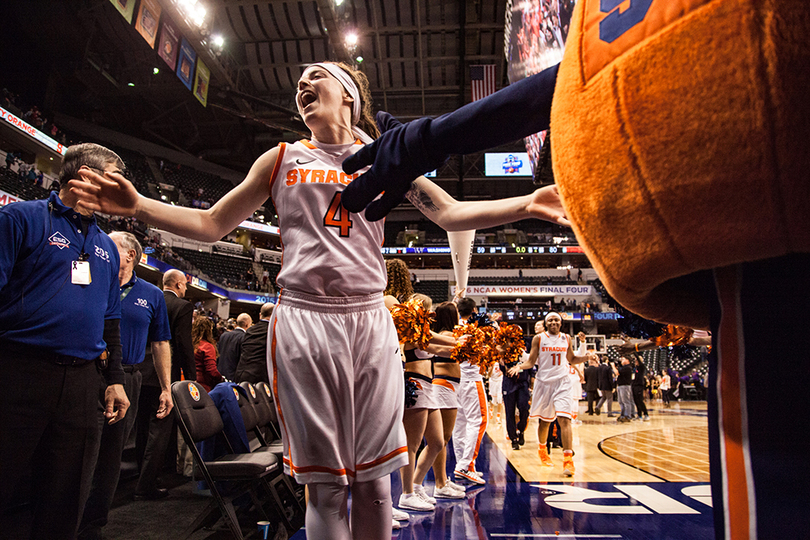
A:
x: 257, y: 472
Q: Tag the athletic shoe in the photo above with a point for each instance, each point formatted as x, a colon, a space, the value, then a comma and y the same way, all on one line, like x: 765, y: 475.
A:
x: 469, y: 476
x: 521, y: 439
x: 457, y: 487
x: 646, y: 418
x: 447, y: 492
x: 399, y: 515
x: 412, y: 501
x: 515, y: 445
x: 419, y: 489
x: 568, y: 466
x: 545, y: 459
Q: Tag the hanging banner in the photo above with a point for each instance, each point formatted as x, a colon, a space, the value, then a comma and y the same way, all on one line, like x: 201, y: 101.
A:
x: 167, y: 45
x: 125, y: 8
x: 147, y: 22
x: 201, y: 83
x: 185, y: 63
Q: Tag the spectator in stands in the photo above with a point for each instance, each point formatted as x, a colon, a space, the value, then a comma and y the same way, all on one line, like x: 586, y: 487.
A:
x: 252, y: 366
x: 55, y: 347
x: 144, y: 319
x: 205, y: 353
x: 9, y: 160
x: 230, y: 346
x: 334, y: 261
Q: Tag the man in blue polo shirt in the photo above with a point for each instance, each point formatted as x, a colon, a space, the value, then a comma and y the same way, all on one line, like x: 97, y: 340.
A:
x: 59, y: 334
x: 143, y: 319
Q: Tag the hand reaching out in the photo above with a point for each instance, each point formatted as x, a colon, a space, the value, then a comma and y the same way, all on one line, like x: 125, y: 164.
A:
x: 108, y: 194
x: 546, y: 204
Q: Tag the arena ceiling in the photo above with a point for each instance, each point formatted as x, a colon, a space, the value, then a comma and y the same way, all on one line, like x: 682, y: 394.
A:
x: 83, y: 56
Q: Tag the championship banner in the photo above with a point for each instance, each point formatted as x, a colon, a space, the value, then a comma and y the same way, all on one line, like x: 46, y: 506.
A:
x: 185, y: 63
x: 461, y: 244
x: 201, y: 83
x: 125, y: 8
x: 147, y: 22
x: 527, y: 290
x: 167, y: 45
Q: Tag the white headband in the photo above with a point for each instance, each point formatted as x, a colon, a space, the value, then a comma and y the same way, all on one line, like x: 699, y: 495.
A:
x: 550, y: 313
x: 348, y: 84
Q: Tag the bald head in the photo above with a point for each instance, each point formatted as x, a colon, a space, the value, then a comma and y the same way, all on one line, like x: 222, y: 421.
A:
x: 243, y: 320
x: 266, y: 311
x: 175, y: 281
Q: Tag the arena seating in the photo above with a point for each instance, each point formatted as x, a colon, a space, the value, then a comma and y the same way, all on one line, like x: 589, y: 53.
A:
x: 437, y: 290
x: 225, y: 269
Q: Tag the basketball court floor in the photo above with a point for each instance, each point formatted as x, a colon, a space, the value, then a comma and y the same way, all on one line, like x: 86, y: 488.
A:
x: 638, y: 480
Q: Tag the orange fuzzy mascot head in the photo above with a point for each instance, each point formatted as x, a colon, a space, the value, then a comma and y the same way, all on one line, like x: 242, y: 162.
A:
x: 682, y: 142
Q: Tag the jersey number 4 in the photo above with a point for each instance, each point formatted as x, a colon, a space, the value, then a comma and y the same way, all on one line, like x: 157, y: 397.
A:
x: 556, y: 359
x: 337, y: 216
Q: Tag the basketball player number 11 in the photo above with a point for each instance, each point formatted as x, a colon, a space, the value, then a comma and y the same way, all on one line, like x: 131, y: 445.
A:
x: 556, y: 359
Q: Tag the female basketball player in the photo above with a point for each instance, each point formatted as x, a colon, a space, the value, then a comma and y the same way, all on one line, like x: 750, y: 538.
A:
x: 333, y: 356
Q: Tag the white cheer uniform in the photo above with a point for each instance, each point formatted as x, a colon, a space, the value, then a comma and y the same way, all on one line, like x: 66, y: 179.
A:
x: 333, y: 352
x: 496, y: 385
x: 471, y: 420
x: 551, y: 395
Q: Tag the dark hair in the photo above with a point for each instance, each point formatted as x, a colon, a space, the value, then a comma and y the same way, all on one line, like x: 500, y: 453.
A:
x: 89, y: 154
x: 446, y: 317
x: 466, y: 306
x: 366, y: 122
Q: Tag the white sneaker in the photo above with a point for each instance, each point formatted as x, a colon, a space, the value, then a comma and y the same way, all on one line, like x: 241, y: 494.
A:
x: 399, y: 515
x: 419, y: 489
x: 412, y: 501
x: 447, y: 492
x: 457, y: 487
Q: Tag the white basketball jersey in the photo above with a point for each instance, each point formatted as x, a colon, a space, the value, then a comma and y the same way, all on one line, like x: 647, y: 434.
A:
x: 552, y: 360
x: 327, y: 251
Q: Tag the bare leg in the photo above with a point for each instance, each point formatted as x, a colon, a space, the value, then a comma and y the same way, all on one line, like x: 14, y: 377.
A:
x: 542, y: 432
x: 440, y: 463
x: 415, y: 421
x: 566, y: 434
x: 435, y: 443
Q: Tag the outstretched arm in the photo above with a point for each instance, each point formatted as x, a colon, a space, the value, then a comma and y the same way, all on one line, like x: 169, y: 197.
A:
x: 113, y: 194
x: 404, y: 151
x: 452, y: 215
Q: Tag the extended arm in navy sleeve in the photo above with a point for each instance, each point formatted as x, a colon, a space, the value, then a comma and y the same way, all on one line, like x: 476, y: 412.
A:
x: 114, y: 374
x: 12, y: 235
x: 405, y: 151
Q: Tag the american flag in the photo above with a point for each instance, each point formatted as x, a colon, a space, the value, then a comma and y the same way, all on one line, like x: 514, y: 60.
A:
x: 483, y: 81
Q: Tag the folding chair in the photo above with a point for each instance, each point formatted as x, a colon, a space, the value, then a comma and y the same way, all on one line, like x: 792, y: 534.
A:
x: 268, y: 407
x: 255, y: 415
x: 199, y: 419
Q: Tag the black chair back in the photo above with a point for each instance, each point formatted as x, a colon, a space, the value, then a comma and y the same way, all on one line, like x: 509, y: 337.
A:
x: 196, y: 410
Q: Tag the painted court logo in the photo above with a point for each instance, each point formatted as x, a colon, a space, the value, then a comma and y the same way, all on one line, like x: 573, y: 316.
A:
x: 57, y: 239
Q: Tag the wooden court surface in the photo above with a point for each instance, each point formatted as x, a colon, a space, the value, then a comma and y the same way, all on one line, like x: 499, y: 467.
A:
x: 672, y: 447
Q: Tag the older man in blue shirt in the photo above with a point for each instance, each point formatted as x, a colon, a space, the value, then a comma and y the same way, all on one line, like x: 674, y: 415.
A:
x: 59, y: 334
x: 143, y: 319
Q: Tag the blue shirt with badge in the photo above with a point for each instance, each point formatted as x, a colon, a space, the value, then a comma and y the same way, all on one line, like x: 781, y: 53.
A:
x: 143, y: 319
x: 40, y: 303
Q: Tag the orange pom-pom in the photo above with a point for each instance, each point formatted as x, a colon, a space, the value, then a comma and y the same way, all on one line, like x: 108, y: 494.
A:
x: 412, y: 322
